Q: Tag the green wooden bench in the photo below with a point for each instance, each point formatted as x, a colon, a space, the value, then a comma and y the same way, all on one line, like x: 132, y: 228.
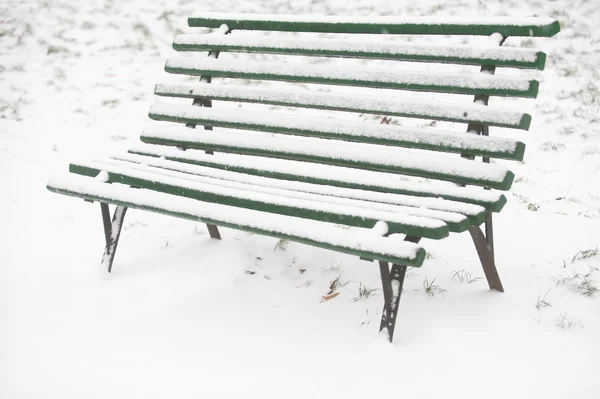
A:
x: 322, y: 176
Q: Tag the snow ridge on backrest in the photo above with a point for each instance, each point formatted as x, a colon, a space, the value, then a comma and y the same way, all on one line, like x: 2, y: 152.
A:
x: 325, y: 66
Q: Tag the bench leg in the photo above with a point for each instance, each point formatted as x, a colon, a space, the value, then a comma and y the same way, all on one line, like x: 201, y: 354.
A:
x: 213, y: 231
x: 106, y: 221
x: 489, y: 235
x: 485, y: 250
x: 392, y: 282
x: 112, y: 232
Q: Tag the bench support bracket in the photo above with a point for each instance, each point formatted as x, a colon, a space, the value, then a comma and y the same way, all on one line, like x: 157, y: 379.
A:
x: 392, y: 282
x: 485, y: 250
x: 207, y: 102
x: 485, y: 243
x: 112, y: 232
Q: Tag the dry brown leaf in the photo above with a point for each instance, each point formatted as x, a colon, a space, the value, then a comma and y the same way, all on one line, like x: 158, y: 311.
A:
x: 329, y: 296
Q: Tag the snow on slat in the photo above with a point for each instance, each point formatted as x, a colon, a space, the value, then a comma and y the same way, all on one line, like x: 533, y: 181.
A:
x: 478, y: 83
x: 451, y: 25
x: 343, y: 130
x: 355, y: 155
x: 327, y: 175
x: 445, y: 216
x: 263, y: 194
x: 259, y: 182
x: 357, y: 241
x: 360, y: 48
x: 309, y: 208
x: 470, y: 113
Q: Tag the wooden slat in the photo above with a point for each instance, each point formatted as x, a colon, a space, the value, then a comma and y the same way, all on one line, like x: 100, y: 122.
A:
x: 318, y: 234
x: 475, y: 213
x: 356, y: 131
x: 326, y: 175
x: 350, y: 212
x: 442, y: 111
x: 333, y: 152
x: 371, y: 49
x: 354, y: 76
x: 506, y: 26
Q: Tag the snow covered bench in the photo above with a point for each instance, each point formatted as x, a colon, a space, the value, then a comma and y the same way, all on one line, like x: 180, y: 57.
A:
x: 321, y: 175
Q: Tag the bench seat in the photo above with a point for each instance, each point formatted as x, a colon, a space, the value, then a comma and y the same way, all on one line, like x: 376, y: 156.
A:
x: 383, y: 183
x: 356, y: 241
x: 475, y: 213
x: 432, y: 224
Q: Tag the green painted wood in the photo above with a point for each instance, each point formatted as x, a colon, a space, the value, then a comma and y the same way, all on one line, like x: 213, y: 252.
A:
x: 495, y: 206
x: 224, y: 72
x: 363, y: 107
x: 475, y: 219
x: 265, y: 206
x: 333, y: 25
x: 207, y: 196
x: 289, y: 49
x: 516, y: 154
x: 240, y: 149
x: 415, y: 262
x: 454, y: 26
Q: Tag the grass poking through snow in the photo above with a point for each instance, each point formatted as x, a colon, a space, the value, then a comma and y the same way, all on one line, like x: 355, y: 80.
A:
x: 432, y: 289
x: 364, y: 292
x: 580, y: 283
x: 282, y: 244
x: 336, y: 284
x: 542, y: 302
x: 585, y: 254
x: 464, y: 276
x: 565, y: 321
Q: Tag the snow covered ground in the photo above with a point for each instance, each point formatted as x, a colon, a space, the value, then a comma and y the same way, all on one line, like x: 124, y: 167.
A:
x: 183, y: 316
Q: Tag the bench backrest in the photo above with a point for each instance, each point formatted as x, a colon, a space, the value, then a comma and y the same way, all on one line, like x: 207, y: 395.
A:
x: 402, y: 68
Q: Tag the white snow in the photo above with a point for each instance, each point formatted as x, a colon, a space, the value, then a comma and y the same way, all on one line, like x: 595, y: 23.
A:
x: 103, y: 176
x: 352, y: 176
x: 222, y: 30
x: 383, y: 20
x: 360, y: 76
x: 183, y: 316
x: 124, y: 168
x: 381, y: 228
x: 347, y: 207
x: 256, y: 182
x: 361, y: 103
x: 332, y: 150
x: 375, y: 48
x: 325, y: 234
x: 276, y: 122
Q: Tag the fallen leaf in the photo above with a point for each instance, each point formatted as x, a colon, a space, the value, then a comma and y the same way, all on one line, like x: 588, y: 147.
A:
x: 329, y: 296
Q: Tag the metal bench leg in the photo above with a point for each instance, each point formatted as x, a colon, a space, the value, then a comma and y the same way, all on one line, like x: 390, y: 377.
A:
x: 207, y: 102
x: 489, y: 235
x: 106, y: 221
x: 392, y: 282
x: 112, y: 232
x: 485, y: 250
x: 213, y: 231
